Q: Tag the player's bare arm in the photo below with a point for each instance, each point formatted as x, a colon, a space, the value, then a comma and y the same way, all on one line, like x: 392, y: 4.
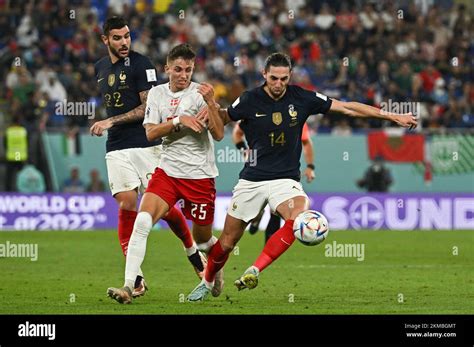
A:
x: 224, y: 116
x: 137, y: 114
x: 215, y: 123
x: 357, y: 109
x: 156, y: 131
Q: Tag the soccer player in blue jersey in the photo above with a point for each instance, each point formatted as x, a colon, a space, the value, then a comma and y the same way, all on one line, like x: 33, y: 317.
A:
x: 272, y: 117
x: 124, y: 79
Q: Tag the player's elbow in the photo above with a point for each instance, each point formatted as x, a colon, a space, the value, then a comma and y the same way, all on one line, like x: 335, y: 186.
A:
x: 150, y: 135
x: 218, y: 137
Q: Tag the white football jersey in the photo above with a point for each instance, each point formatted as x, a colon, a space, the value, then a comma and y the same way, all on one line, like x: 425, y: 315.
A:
x: 186, y: 154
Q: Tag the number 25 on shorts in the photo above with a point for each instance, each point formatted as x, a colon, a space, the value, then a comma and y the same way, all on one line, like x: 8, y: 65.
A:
x: 201, y: 211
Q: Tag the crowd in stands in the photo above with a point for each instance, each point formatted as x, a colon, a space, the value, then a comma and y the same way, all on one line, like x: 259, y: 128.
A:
x: 352, y: 50
x: 368, y: 51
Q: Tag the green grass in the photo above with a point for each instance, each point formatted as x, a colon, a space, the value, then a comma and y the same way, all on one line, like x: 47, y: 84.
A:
x: 419, y: 265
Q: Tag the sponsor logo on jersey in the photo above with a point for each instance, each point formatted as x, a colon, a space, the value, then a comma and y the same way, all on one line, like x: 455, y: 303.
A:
x: 260, y: 114
x: 277, y: 118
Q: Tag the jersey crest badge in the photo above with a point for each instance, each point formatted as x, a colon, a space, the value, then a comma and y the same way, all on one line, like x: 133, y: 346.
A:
x: 293, y: 115
x: 277, y: 118
x: 292, y: 112
x: 122, y: 77
x: 111, y: 79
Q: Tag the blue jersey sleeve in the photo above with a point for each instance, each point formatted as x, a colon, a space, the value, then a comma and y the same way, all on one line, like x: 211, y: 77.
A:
x: 145, y: 74
x: 240, y: 108
x: 316, y: 102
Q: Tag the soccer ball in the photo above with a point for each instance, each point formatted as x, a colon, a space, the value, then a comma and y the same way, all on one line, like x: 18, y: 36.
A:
x: 311, y: 227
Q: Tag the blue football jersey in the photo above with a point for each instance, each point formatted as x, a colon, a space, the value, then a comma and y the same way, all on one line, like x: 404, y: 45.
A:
x: 273, y: 129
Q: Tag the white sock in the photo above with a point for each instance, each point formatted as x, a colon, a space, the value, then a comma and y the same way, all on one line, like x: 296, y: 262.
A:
x: 137, y: 247
x: 209, y: 285
x: 206, y: 246
x: 191, y: 250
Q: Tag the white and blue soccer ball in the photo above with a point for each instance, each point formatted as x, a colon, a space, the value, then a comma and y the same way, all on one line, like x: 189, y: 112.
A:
x: 311, y: 227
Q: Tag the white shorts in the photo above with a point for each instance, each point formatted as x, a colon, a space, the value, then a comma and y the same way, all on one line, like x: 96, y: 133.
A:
x: 131, y: 168
x: 248, y: 197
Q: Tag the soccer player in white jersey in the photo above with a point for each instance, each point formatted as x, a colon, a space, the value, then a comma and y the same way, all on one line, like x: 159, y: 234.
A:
x: 186, y: 116
x: 124, y: 78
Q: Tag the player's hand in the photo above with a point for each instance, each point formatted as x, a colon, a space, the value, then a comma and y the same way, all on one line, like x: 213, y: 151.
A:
x: 98, y: 128
x: 207, y: 92
x: 309, y: 173
x: 203, y: 115
x: 192, y: 123
x: 406, y: 120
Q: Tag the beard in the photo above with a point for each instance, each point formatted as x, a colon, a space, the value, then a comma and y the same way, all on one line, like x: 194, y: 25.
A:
x: 116, y: 52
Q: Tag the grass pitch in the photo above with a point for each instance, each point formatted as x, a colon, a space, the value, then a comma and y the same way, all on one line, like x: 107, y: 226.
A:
x: 403, y: 272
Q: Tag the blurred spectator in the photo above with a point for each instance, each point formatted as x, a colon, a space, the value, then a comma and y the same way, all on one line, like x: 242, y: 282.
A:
x: 346, y: 48
x: 16, y: 151
x: 30, y: 180
x: 73, y: 184
x: 377, y: 178
x: 96, y: 184
x: 53, y: 89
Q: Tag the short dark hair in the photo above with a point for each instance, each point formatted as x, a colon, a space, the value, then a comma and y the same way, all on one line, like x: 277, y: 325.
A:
x: 184, y: 51
x: 277, y: 59
x: 113, y: 23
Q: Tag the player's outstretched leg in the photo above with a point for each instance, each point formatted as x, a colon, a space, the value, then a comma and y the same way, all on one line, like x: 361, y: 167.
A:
x: 215, y: 262
x: 217, y: 257
x: 205, y: 248
x: 177, y: 223
x: 276, y: 246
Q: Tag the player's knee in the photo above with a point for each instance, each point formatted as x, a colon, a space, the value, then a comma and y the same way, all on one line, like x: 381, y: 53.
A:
x: 126, y: 201
x: 143, y: 223
x: 228, y: 244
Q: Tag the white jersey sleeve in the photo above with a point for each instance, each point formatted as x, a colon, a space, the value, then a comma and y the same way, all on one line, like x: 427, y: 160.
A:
x: 152, y: 110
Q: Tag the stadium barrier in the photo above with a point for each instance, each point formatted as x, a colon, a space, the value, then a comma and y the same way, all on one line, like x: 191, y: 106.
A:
x: 401, y: 211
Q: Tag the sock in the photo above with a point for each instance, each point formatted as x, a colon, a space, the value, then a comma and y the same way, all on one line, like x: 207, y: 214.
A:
x: 137, y: 247
x: 215, y: 261
x: 191, y: 250
x: 273, y: 226
x: 195, y: 259
x: 276, y: 245
x: 126, y: 219
x: 206, y: 246
x: 138, y: 280
x: 177, y: 223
